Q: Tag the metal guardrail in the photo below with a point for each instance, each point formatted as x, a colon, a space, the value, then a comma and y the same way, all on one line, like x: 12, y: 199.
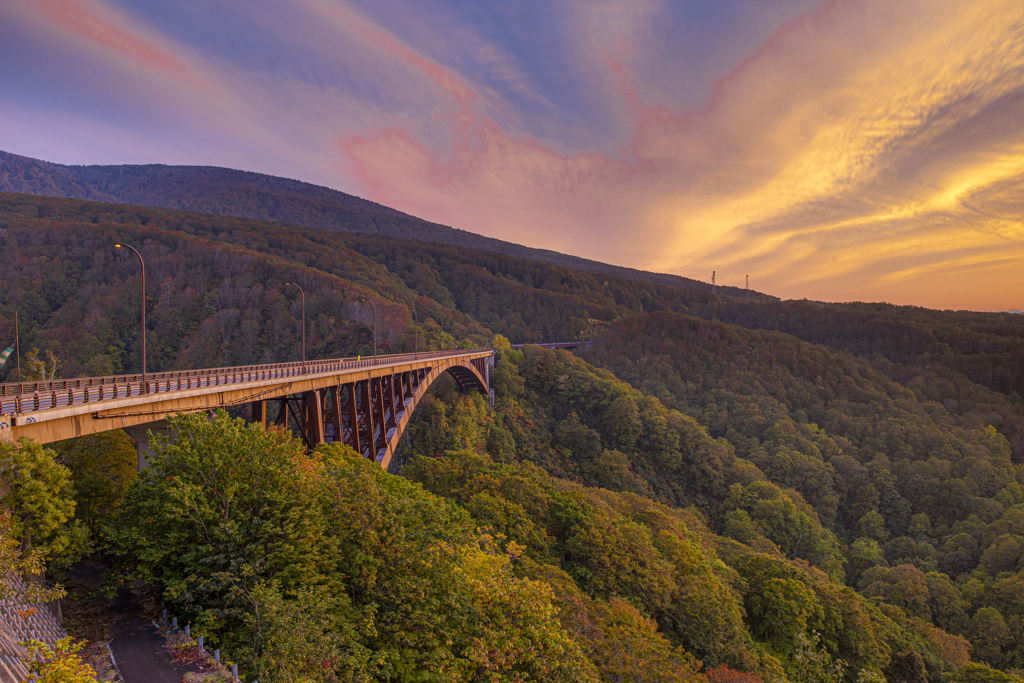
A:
x: 29, y: 397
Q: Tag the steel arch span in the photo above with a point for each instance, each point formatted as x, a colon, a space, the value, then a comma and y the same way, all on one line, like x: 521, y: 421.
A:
x: 368, y: 415
x: 365, y: 403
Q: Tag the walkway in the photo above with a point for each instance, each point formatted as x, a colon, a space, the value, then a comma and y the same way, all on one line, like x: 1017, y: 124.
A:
x: 141, y: 657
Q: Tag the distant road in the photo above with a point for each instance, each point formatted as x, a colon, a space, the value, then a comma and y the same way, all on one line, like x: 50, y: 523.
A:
x: 568, y: 346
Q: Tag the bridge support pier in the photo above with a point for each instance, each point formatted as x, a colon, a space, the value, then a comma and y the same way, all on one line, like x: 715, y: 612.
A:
x: 259, y: 412
x: 140, y: 434
x: 313, y: 416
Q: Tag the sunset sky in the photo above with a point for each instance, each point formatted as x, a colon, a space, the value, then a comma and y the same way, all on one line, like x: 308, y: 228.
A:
x: 864, y: 150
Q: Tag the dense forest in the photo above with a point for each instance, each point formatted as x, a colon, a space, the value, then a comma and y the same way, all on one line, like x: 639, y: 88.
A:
x: 714, y: 490
x: 920, y: 482
x: 254, y: 195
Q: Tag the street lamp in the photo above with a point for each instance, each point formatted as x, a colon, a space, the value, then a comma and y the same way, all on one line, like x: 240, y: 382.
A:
x: 374, y: 325
x: 17, y: 345
x: 416, y: 336
x: 118, y: 245
x: 303, y: 322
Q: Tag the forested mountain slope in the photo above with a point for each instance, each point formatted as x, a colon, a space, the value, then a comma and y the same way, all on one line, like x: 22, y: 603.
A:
x: 681, y: 527
x: 254, y: 195
x: 986, y: 348
x: 909, y: 486
x: 213, y: 278
x: 757, y: 501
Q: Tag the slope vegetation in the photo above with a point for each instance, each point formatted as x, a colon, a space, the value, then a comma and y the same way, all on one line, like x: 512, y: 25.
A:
x: 255, y: 195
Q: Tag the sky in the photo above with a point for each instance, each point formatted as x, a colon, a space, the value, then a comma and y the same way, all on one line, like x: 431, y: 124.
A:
x: 849, y: 150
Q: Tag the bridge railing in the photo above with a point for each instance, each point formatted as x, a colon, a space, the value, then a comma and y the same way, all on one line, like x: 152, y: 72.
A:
x: 28, y: 397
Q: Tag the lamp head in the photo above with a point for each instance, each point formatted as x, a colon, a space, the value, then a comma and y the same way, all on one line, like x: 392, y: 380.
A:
x: 117, y: 245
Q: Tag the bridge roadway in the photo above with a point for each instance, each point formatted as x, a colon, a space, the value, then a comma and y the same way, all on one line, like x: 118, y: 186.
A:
x: 364, y: 402
x: 566, y: 346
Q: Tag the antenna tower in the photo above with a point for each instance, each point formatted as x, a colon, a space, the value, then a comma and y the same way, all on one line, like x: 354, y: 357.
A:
x: 748, y: 289
x: 714, y: 287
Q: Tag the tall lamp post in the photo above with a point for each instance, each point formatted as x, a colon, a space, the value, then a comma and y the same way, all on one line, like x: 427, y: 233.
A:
x: 374, y: 325
x: 416, y: 336
x: 118, y: 245
x: 17, y: 345
x: 301, y: 291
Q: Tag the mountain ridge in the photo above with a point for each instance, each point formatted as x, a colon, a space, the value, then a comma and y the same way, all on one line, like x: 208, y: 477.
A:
x: 209, y: 189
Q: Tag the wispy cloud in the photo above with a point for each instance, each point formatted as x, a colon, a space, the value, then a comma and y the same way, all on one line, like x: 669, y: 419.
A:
x: 861, y: 149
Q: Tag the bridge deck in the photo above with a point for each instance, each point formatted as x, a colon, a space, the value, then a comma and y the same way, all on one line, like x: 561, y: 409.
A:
x: 24, y: 398
x: 49, y: 411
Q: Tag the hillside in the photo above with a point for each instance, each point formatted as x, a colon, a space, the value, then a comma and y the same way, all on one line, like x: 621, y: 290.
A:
x: 985, y: 348
x: 219, y: 276
x: 254, y: 195
x: 690, y: 487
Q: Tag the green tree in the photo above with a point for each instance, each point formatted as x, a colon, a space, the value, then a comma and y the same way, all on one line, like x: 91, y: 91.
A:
x: 298, y: 639
x: 30, y: 562
x: 102, y: 466
x: 904, y: 586
x: 811, y: 664
x: 227, y: 505
x: 1004, y: 555
x: 786, y: 521
x: 872, y: 525
x: 62, y: 664
x: 40, y: 499
x: 629, y: 648
x: 505, y: 377
x: 442, y: 598
x: 989, y: 636
x: 979, y: 673
x: 780, y: 610
x: 863, y: 554
x: 622, y: 558
x: 621, y: 422
x: 515, y: 635
x: 42, y: 369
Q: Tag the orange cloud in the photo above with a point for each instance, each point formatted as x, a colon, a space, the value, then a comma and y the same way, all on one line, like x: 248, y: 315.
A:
x: 71, y: 15
x: 867, y: 150
x: 849, y: 140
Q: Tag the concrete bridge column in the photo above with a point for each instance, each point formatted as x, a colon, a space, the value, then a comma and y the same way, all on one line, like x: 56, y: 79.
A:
x: 140, y: 435
x: 488, y: 364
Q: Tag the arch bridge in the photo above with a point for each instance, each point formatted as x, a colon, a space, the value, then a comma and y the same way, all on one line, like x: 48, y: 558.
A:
x: 363, y: 402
